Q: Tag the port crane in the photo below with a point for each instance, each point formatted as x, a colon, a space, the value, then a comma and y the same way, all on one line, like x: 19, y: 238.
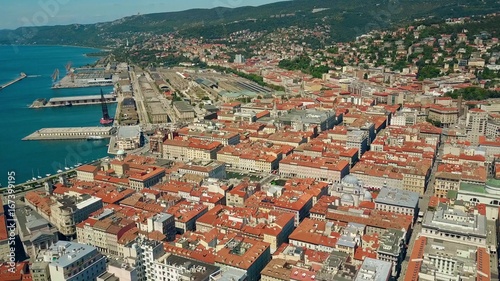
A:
x: 55, y: 76
x: 70, y: 71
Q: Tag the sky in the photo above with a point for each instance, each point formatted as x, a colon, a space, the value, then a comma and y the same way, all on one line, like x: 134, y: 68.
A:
x: 18, y: 13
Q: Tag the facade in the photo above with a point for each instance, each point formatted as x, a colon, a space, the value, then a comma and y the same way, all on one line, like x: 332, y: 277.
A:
x: 190, y: 149
x: 397, y: 201
x: 86, y: 172
x: 65, y: 212
x: 129, y: 137
x: 68, y: 261
x: 374, y: 270
x: 35, y: 232
x: 487, y: 194
x: 455, y: 225
x: 476, y: 121
x: 205, y: 169
x: 446, y: 116
x: 392, y: 248
x: 184, y: 111
x: 323, y: 169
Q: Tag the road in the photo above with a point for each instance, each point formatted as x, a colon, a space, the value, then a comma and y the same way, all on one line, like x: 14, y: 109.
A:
x: 423, y: 205
x: 139, y: 98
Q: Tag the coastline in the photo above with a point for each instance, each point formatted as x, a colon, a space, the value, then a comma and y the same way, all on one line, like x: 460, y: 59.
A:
x: 21, y: 120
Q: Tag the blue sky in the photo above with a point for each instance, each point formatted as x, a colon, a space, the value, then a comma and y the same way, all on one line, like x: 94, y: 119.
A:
x: 17, y: 13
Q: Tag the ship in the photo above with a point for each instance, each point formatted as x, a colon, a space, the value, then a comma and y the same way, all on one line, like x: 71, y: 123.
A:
x: 95, y: 138
x: 106, y: 120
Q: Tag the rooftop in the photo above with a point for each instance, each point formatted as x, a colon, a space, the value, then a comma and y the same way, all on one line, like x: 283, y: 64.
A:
x: 397, y: 197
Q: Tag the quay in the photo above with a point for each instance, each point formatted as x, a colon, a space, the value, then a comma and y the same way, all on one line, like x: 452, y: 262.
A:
x: 70, y: 101
x: 78, y: 133
x: 21, y: 77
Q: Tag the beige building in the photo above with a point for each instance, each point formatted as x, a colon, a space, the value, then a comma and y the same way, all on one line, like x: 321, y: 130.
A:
x: 447, y: 116
x: 476, y: 122
x: 129, y: 137
x: 320, y: 168
x: 189, y: 149
x: 86, y: 172
x: 184, y: 111
x: 64, y: 212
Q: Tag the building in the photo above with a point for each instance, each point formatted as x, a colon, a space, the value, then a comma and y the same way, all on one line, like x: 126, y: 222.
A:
x: 184, y: 111
x: 374, y: 270
x: 272, y: 227
x: 86, y: 172
x: 129, y: 137
x: 320, y: 168
x: 454, y: 224
x: 392, y: 248
x: 476, y: 122
x: 437, y: 259
x: 205, y: 169
x: 487, y: 194
x: 68, y: 261
x: 211, y: 134
x: 181, y: 149
x: 246, y: 254
x: 445, y: 116
x: 35, y: 232
x: 65, y: 212
x: 397, y: 201
x: 258, y: 156
x: 351, y: 191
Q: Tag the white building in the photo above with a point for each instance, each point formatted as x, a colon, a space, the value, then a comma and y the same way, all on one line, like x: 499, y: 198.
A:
x: 129, y: 137
x: 70, y: 261
x: 454, y: 224
x: 397, y: 201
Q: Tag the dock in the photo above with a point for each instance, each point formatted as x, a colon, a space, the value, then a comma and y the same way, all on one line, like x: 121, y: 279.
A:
x: 73, y: 101
x: 74, y: 133
x: 21, y: 77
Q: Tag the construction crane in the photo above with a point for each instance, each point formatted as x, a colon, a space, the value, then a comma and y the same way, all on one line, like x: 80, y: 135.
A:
x: 55, y: 75
x: 68, y: 67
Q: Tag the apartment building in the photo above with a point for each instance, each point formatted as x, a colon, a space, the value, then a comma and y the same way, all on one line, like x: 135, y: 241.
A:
x: 210, y: 134
x: 446, y: 116
x: 476, y: 122
x: 320, y: 168
x: 182, y: 149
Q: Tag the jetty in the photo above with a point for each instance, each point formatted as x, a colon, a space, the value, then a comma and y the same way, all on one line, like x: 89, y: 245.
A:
x: 73, y: 133
x: 21, y: 77
x: 71, y: 101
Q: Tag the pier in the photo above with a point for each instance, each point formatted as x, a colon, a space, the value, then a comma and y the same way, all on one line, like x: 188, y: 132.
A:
x: 21, y: 77
x: 78, y: 133
x: 71, y: 101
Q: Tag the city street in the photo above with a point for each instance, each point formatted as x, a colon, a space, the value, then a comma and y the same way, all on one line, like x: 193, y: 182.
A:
x: 423, y: 205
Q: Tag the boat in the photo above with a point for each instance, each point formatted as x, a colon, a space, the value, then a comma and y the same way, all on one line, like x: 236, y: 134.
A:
x: 59, y: 171
x: 95, y: 138
x: 48, y: 175
x: 39, y: 177
x: 65, y: 165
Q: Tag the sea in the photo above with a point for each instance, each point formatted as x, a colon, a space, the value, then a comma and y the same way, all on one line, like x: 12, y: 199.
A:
x: 30, y: 159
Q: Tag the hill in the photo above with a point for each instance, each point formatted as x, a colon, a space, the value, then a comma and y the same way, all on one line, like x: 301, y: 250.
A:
x: 347, y: 18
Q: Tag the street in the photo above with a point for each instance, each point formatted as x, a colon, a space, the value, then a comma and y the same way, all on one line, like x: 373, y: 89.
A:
x: 423, y: 205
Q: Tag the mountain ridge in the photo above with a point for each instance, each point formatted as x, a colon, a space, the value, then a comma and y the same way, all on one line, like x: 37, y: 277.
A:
x: 348, y: 18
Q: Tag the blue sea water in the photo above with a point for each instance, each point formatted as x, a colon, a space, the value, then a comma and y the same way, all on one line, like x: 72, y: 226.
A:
x: 33, y: 158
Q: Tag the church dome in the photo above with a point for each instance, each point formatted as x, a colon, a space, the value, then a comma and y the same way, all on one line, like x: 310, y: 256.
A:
x: 350, y: 180
x: 346, y: 198
x: 367, y: 196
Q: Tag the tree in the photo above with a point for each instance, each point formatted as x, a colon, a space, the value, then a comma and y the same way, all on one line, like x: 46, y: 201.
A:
x: 427, y: 72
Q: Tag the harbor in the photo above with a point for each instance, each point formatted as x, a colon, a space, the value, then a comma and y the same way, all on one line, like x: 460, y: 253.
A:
x: 83, y: 78
x: 73, y: 101
x: 76, y: 133
x: 21, y: 77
